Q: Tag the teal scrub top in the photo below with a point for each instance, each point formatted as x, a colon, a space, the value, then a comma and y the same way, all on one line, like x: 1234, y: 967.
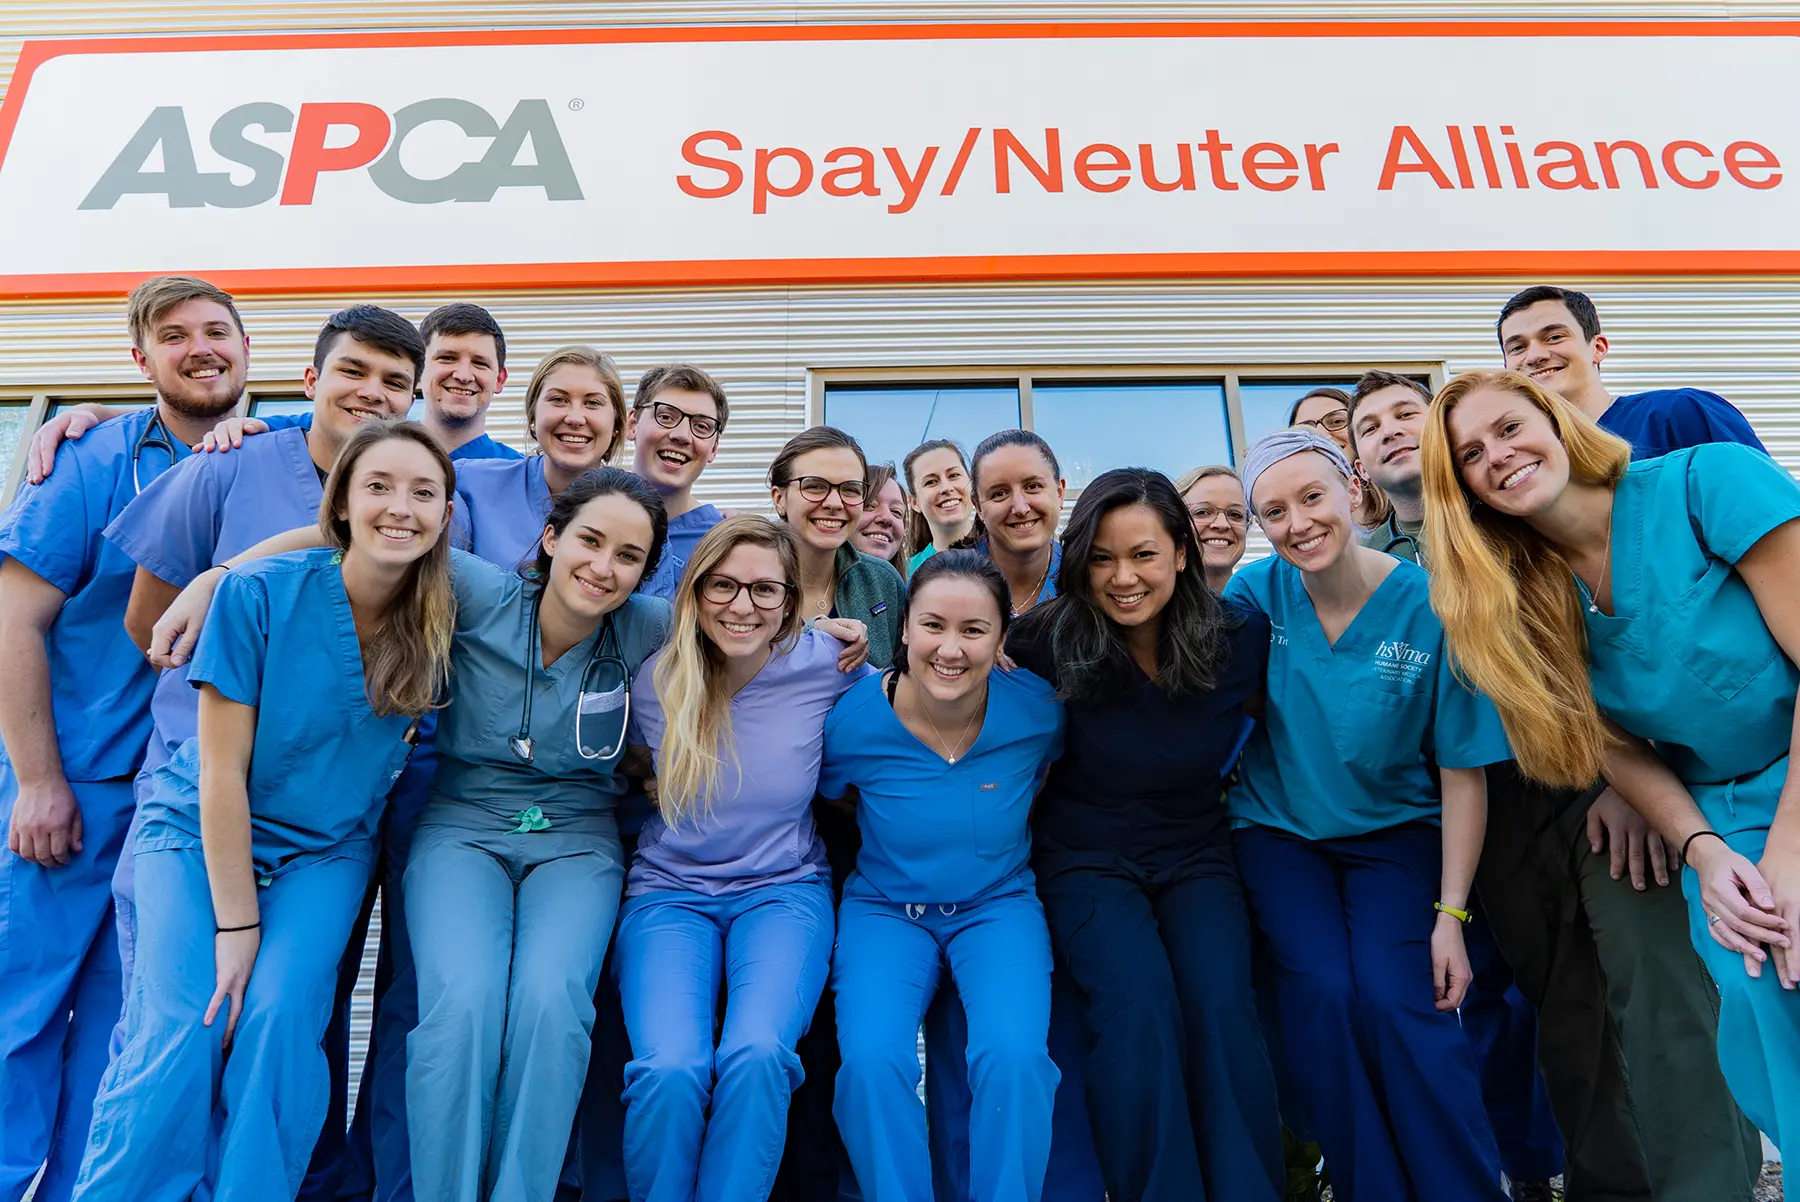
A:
x: 1685, y: 659
x: 1350, y: 731
x: 280, y: 637
x: 488, y: 668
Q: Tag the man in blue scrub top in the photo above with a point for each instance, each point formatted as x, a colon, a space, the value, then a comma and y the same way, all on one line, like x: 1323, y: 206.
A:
x: 365, y: 363
x: 1553, y: 335
x: 74, y: 720
x: 1627, y: 1021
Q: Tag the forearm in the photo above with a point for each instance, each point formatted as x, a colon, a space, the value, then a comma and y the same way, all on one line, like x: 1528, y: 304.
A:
x: 1465, y: 827
x: 1784, y: 831
x: 1651, y: 788
x: 225, y: 739
x: 27, y: 718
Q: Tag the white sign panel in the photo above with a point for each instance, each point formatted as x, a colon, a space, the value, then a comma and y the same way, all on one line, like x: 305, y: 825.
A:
x: 707, y: 155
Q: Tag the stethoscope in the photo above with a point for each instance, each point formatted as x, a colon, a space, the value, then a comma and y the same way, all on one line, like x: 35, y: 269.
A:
x: 155, y: 434
x: 618, y: 698
x: 1398, y: 538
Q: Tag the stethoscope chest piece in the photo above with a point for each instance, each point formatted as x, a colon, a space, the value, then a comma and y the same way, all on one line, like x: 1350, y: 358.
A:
x: 521, y: 747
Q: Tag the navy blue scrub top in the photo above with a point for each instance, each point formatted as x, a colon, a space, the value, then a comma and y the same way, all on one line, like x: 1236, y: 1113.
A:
x: 1142, y: 772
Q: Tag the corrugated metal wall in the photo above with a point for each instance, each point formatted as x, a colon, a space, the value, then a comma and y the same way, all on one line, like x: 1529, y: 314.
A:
x: 1736, y: 336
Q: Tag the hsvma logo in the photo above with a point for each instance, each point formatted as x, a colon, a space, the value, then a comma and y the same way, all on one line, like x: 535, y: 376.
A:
x: 376, y: 145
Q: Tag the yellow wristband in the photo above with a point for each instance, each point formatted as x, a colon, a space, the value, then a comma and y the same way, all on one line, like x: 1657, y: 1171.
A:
x: 1462, y: 916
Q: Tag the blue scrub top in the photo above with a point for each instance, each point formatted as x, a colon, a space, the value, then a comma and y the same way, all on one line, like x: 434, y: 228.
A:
x: 932, y: 831
x: 1686, y: 659
x: 1669, y: 419
x: 1048, y: 592
x: 685, y: 533
x: 209, y: 508
x: 1350, y: 731
x: 501, y: 508
x: 476, y: 764
x: 100, y: 684
x: 280, y: 637
x: 1143, y: 772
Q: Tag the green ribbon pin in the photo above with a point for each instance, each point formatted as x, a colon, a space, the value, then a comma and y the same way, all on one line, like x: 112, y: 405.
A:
x: 530, y: 821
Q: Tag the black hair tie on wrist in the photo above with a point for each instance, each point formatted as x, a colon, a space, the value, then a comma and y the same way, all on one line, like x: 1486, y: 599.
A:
x: 1688, y: 842
x: 232, y: 930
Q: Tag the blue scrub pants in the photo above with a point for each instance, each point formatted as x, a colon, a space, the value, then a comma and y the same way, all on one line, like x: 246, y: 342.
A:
x: 1179, y: 1083
x: 176, y: 1116
x: 59, y: 991
x: 1074, y: 1172
x: 508, y: 935
x: 1759, y: 1021
x: 1389, y: 1081
x: 1502, y: 1029
x: 706, y: 1120
x: 889, y: 959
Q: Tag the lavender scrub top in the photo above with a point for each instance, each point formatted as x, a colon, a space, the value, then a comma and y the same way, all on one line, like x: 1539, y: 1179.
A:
x: 759, y: 830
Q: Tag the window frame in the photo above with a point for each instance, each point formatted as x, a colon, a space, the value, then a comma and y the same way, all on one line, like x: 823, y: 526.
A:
x: 40, y: 402
x: 819, y: 379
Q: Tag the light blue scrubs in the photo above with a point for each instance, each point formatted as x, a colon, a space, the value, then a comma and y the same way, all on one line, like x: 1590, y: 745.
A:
x: 482, y: 446
x: 501, y: 507
x: 206, y: 510
x: 175, y: 1116
x: 511, y: 891
x: 1687, y: 661
x: 943, y: 877
x: 59, y: 952
x: 1336, y: 815
x: 738, y: 894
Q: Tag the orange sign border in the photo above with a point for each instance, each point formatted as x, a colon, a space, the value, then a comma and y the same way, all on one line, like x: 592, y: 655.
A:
x: 934, y: 269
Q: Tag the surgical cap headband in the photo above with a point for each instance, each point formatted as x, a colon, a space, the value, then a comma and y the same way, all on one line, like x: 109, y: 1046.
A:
x: 1285, y: 443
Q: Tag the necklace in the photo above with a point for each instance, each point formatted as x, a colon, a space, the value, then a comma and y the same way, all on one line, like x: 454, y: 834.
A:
x: 1032, y: 600
x: 949, y: 756
x: 1600, y: 580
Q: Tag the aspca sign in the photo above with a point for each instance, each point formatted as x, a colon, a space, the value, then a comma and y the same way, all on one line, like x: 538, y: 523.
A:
x: 331, y: 137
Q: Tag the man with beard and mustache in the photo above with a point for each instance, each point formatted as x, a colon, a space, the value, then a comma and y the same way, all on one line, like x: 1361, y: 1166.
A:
x: 75, y: 720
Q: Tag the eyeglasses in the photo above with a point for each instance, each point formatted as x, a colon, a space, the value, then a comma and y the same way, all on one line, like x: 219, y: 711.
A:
x: 817, y: 488
x: 1337, y: 421
x: 668, y: 417
x: 723, y: 590
x: 1202, y: 514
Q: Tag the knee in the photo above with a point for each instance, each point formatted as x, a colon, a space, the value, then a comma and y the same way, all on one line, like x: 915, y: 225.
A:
x: 1008, y: 1052
x: 866, y: 1054
x: 762, y: 1055
x: 1322, y: 995
x: 667, y: 1074
x: 550, y: 1001
x: 464, y: 1003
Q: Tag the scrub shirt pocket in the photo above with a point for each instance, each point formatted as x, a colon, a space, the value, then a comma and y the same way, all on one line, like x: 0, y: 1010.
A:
x: 1718, y: 653
x: 1377, y: 729
x: 997, y: 813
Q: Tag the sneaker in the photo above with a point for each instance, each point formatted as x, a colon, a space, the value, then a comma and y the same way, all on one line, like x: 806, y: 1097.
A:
x: 1534, y: 1191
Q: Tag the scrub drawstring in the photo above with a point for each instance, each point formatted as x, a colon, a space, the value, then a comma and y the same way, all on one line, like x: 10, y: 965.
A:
x: 529, y: 821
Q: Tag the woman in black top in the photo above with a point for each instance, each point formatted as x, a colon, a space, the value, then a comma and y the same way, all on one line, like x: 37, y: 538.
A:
x: 1132, y: 854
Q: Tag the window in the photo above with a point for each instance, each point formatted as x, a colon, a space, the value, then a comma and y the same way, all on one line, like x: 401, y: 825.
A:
x: 15, y: 420
x: 277, y: 406
x: 1168, y: 418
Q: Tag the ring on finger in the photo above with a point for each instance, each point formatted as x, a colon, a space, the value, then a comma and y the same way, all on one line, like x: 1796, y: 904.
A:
x: 1712, y: 920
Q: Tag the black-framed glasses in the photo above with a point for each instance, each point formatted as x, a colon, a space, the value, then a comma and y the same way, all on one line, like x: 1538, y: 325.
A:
x: 817, y: 488
x: 1203, y: 514
x: 1337, y: 421
x: 723, y: 590
x: 669, y: 416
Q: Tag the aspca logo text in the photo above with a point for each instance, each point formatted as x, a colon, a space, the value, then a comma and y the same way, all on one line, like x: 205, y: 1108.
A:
x: 318, y: 146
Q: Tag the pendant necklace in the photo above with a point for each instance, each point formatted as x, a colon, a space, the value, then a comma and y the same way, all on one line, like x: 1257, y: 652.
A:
x: 1600, y: 580
x: 948, y: 756
x: 1035, y: 593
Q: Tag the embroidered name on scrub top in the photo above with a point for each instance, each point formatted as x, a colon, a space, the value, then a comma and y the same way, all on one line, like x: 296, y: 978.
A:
x: 934, y: 831
x: 1351, y: 729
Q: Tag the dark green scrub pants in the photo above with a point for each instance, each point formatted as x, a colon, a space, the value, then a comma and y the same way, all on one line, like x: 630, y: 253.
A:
x: 1616, y: 983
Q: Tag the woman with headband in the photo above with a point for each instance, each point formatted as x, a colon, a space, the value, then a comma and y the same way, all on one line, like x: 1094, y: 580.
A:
x: 1357, y: 861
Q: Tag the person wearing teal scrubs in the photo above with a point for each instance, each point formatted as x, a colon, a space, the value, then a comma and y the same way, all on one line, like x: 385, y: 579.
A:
x: 75, y: 719
x: 1358, y: 818
x: 1682, y: 571
x: 945, y: 753
x: 575, y: 410
x: 938, y: 493
x: 258, y: 836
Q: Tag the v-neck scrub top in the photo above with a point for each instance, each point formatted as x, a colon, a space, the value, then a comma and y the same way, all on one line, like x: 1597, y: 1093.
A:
x: 501, y: 507
x: 280, y: 637
x: 934, y: 831
x: 759, y: 830
x: 488, y: 666
x: 1350, y: 731
x: 1686, y: 659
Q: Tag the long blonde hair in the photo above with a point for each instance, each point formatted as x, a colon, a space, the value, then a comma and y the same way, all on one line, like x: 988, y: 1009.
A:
x: 406, y: 660
x: 1506, y: 595
x: 690, y: 675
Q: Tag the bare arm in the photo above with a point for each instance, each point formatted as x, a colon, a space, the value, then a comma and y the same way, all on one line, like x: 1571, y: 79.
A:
x: 1465, y: 827
x: 176, y: 627
x: 227, y: 734
x: 150, y: 596
x: 46, y: 821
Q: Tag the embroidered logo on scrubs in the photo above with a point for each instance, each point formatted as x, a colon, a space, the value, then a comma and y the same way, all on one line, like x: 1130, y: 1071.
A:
x: 1399, y: 661
x: 1277, y: 635
x: 880, y: 607
x: 990, y: 787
